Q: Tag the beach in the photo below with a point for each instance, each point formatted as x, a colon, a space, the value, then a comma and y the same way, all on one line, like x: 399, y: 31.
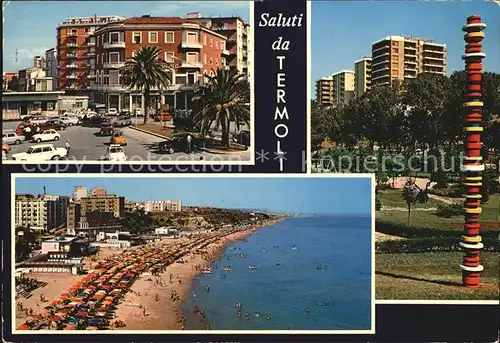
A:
x: 155, y: 297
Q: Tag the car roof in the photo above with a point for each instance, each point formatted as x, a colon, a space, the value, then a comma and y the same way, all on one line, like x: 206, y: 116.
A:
x: 42, y: 145
x: 114, y: 146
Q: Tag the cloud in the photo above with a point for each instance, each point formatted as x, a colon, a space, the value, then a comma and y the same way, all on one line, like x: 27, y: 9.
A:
x: 206, y: 8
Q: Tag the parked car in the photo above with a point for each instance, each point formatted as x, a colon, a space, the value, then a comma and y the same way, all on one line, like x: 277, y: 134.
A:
x: 178, y: 143
x: 107, y: 129
x: 122, y: 121
x: 41, y: 152
x: 115, y: 153
x: 13, y: 138
x: 118, y: 138
x: 112, y: 112
x: 70, y: 120
x: 38, y: 119
x: 163, y: 116
x: 56, y: 124
x: 139, y: 112
x: 48, y: 135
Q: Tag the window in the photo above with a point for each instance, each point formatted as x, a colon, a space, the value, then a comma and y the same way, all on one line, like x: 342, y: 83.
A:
x: 222, y: 45
x: 395, y: 50
x: 114, y: 37
x: 47, y: 149
x: 210, y: 42
x: 216, y: 44
x: 205, y: 58
x: 192, y: 57
x: 169, y: 57
x: 97, y: 59
x: 211, y: 61
x: 114, y: 77
x: 223, y: 61
x: 137, y: 37
x: 394, y: 43
x: 169, y: 37
x: 98, y: 40
x: 204, y: 39
x: 114, y: 57
x: 133, y: 53
x: 153, y: 37
x: 394, y: 73
x: 192, y: 37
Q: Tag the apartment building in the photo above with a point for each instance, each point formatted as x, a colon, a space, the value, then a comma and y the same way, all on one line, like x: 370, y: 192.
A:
x: 163, y: 205
x: 98, y: 192
x: 109, y: 203
x: 238, y: 36
x: 362, y: 76
x: 41, y: 213
x: 73, y: 215
x: 343, y: 87
x: 34, y: 80
x: 129, y: 205
x: 400, y: 58
x: 10, y: 81
x: 39, y: 62
x: 79, y: 192
x: 76, y: 51
x: 51, y: 65
x: 324, y: 91
x: 192, y: 49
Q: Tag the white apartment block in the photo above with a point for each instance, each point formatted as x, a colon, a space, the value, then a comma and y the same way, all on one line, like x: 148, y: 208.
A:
x: 163, y: 205
x: 40, y: 213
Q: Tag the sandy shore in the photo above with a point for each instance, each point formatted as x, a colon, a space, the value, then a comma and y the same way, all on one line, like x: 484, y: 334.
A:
x: 162, y: 314
x: 149, y: 304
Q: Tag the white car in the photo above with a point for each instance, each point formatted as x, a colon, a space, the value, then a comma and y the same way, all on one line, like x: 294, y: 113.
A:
x: 115, y: 153
x: 112, y: 112
x: 41, y: 152
x: 12, y: 138
x: 39, y: 120
x: 139, y: 112
x: 70, y: 120
x: 48, y: 135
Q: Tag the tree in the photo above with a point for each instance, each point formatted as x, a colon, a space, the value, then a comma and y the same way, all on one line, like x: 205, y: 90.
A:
x: 320, y: 125
x: 146, y: 71
x: 410, y: 195
x: 137, y: 221
x: 224, y: 98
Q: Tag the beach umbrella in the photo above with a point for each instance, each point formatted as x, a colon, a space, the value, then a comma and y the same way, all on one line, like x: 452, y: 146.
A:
x: 23, y: 327
x: 82, y: 314
x: 70, y: 327
x: 64, y: 295
x: 55, y: 319
x: 49, y: 307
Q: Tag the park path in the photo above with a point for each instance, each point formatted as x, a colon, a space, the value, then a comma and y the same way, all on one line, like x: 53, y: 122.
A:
x: 446, y: 200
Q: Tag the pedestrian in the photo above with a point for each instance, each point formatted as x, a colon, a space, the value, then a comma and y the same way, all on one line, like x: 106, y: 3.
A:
x: 68, y: 146
x: 188, y: 141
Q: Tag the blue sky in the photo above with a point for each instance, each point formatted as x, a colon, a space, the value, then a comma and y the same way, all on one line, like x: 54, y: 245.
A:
x: 343, y: 32
x: 30, y: 26
x: 305, y: 195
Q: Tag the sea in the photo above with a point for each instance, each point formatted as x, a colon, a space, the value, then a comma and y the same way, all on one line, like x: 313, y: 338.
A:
x: 312, y: 273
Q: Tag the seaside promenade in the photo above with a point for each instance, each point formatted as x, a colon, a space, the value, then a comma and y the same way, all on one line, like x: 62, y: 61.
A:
x: 140, y: 288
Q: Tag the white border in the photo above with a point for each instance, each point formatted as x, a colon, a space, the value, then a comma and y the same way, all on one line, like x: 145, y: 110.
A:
x: 308, y: 90
x: 15, y: 176
x: 251, y: 149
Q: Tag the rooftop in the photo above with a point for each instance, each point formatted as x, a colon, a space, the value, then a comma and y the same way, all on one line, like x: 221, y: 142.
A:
x: 60, y: 239
x: 155, y: 20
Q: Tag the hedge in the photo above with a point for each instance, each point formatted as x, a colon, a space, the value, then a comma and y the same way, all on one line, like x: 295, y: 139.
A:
x: 430, y: 244
x: 402, y: 230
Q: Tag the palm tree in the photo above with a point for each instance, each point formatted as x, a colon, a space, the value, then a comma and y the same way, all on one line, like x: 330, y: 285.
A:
x: 146, y: 71
x: 224, y: 98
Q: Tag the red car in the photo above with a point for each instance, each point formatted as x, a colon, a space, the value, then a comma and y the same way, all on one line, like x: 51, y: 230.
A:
x: 163, y: 116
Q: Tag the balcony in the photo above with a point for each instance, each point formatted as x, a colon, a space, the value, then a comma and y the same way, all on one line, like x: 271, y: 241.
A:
x: 191, y: 45
x: 72, y: 45
x: 91, y: 76
x: 71, y: 66
x: 113, y: 65
x: 90, y: 54
x: 433, y: 50
x: 73, y: 34
x: 186, y: 64
x: 380, y: 49
x: 431, y: 64
x: 441, y: 58
x: 381, y: 62
x: 71, y: 55
x: 114, y: 45
x: 90, y: 43
x: 72, y: 77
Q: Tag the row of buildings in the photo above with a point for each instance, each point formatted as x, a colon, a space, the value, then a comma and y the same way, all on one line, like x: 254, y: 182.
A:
x: 392, y: 58
x: 90, y: 51
x: 83, y: 211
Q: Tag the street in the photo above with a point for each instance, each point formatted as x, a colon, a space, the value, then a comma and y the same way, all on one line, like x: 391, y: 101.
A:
x: 87, y: 145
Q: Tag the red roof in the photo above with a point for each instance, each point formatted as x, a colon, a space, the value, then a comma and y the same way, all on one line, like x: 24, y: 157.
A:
x: 154, y: 20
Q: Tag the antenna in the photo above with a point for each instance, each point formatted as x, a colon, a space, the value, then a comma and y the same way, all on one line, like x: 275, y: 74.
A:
x: 17, y: 53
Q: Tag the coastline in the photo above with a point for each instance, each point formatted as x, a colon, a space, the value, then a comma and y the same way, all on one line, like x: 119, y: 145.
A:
x: 158, y: 294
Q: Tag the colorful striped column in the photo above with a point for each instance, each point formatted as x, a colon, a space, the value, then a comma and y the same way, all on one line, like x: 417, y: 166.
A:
x: 473, y: 162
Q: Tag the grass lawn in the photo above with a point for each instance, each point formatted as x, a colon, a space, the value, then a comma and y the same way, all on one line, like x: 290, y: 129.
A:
x: 433, y: 276
x: 429, y: 219
x: 394, y: 198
